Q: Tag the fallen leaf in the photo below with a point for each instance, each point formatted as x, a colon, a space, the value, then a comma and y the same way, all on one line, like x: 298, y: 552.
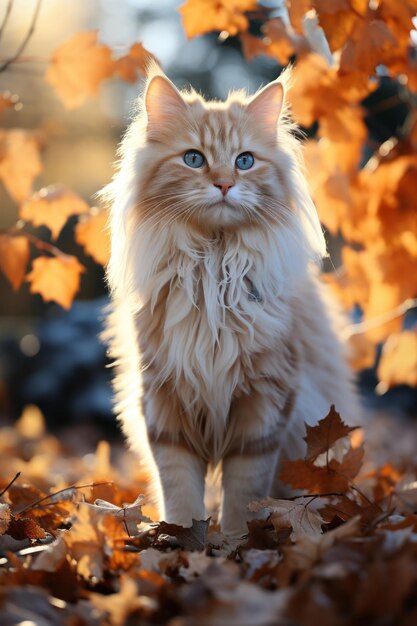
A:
x: 52, y: 558
x: 321, y: 437
x: 14, y: 257
x: 51, y: 207
x: 78, y: 67
x: 92, y: 233
x: 300, y: 514
x: 56, y: 279
x: 193, y: 538
x: 130, y: 514
x: 5, y: 517
x: 25, y: 528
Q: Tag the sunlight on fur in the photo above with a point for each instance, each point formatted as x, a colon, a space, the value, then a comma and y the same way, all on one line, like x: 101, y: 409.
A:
x: 224, y: 339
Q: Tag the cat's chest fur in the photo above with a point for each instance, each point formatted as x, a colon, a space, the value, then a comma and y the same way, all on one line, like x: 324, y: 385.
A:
x: 213, y: 309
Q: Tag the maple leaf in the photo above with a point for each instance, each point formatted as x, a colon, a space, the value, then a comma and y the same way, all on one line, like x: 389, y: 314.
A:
x: 56, y: 279
x: 398, y: 363
x: 14, y: 257
x: 51, y: 207
x: 335, y: 476
x: 133, y: 64
x: 85, y: 542
x: 92, y: 233
x: 5, y: 517
x: 130, y: 514
x: 321, y: 437
x: 300, y: 514
x: 20, y: 161
x: 204, y: 16
x: 78, y: 67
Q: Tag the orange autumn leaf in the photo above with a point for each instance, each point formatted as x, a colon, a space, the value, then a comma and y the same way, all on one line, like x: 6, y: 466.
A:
x: 321, y: 437
x: 204, y: 16
x: 51, y: 207
x: 334, y: 476
x: 20, y: 161
x: 91, y: 233
x: 296, y: 12
x: 252, y: 46
x: 56, y: 279
x: 398, y: 363
x: 78, y: 67
x: 133, y: 64
x: 14, y: 257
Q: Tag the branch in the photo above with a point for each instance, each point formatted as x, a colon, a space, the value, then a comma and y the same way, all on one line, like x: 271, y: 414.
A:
x: 26, y: 39
x: 6, y: 16
x: 363, y: 327
x: 42, y: 246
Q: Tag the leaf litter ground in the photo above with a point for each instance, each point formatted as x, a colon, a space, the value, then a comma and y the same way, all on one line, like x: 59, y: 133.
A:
x: 79, y: 545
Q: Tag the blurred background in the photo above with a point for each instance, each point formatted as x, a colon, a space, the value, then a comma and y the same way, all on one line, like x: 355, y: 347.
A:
x: 53, y: 358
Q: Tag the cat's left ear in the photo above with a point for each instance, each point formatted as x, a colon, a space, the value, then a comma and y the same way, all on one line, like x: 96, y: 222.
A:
x: 266, y: 105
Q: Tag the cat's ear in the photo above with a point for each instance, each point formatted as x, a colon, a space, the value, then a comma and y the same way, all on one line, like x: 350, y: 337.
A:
x: 163, y: 103
x: 266, y: 105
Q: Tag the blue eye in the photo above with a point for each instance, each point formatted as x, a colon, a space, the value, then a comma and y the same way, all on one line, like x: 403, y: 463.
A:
x: 193, y: 158
x: 245, y: 161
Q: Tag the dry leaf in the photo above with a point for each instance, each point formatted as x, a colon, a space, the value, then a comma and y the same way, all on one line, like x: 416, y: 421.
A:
x: 51, y: 207
x: 133, y: 65
x: 5, y: 517
x: 78, y: 67
x: 193, y: 538
x: 321, y: 437
x: 204, y: 16
x: 300, y: 514
x: 56, y: 279
x: 92, y: 233
x: 130, y: 514
x: 14, y: 257
x: 20, y: 161
x: 52, y: 558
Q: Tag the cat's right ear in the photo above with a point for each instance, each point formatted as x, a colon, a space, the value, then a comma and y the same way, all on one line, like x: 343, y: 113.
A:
x: 164, y: 105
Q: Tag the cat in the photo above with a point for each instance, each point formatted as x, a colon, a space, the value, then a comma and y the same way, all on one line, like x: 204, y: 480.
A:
x: 225, y: 341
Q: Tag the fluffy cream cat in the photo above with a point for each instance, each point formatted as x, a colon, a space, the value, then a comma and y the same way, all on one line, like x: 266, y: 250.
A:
x: 224, y: 339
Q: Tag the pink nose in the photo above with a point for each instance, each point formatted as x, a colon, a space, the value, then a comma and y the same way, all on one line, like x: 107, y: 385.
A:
x: 224, y: 187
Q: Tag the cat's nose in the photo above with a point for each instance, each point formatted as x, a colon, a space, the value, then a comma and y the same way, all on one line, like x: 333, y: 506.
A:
x: 224, y: 186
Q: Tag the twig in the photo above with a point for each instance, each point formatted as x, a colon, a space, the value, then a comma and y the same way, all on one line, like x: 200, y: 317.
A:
x: 32, y: 505
x: 6, y: 16
x: 10, y: 484
x: 26, y: 39
x: 43, y: 246
x: 363, y: 327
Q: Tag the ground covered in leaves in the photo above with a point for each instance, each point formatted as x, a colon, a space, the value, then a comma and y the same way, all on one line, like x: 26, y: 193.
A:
x: 79, y: 545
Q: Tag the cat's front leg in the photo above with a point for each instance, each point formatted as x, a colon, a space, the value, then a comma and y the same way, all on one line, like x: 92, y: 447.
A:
x: 181, y: 472
x: 249, y: 466
x: 181, y: 478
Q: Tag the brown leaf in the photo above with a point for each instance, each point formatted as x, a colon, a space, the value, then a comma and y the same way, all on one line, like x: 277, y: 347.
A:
x: 20, y: 161
x: 204, y: 16
x: 333, y: 477
x: 193, y: 538
x: 320, y: 438
x: 300, y: 514
x: 133, y: 64
x: 56, y: 279
x: 130, y: 514
x: 92, y: 233
x: 14, y: 257
x: 78, y: 67
x: 5, y: 517
x: 52, y: 558
x: 51, y: 207
x: 25, y: 528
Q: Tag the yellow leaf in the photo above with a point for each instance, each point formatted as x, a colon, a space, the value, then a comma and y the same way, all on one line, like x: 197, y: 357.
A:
x: 56, y: 279
x: 91, y: 233
x: 20, y: 161
x: 14, y: 257
x: 133, y: 64
x: 51, y: 207
x: 398, y: 363
x: 204, y: 16
x: 78, y: 67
